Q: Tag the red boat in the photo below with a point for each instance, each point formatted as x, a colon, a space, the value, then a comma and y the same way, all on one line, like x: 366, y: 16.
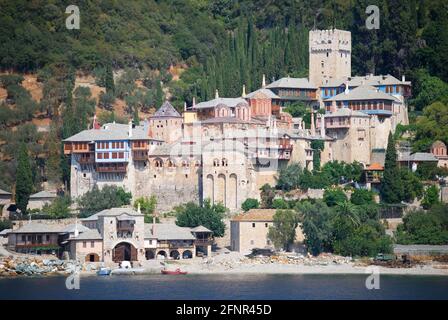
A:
x: 177, y: 271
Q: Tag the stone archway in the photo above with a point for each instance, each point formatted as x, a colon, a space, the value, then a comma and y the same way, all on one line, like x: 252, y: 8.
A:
x: 221, y: 189
x: 187, y: 254
x: 149, y: 254
x: 210, y: 188
x: 161, y: 253
x: 175, y: 254
x: 233, y: 191
x: 92, y: 257
x: 124, y: 251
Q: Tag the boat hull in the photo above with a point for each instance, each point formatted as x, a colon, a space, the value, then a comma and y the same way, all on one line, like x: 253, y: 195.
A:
x: 173, y: 272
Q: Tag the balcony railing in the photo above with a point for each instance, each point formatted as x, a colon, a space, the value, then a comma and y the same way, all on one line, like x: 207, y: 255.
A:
x: 203, y: 242
x: 140, y: 156
x: 86, y: 160
x: 111, y: 168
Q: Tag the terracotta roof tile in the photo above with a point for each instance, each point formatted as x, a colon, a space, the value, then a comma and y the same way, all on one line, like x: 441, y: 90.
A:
x: 256, y: 215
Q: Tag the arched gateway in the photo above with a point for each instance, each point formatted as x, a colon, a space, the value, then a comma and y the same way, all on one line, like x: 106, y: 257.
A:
x: 124, y: 251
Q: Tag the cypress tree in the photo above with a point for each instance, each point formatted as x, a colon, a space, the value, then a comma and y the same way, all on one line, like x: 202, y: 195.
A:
x: 160, y: 96
x: 391, y: 186
x: 24, y: 179
x: 109, y: 80
x: 136, y: 118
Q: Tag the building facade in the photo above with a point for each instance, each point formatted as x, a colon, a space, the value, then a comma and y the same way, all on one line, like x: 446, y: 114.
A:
x: 250, y: 230
x: 225, y: 149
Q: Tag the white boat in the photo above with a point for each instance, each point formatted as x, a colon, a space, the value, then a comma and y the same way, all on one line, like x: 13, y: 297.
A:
x: 127, y: 269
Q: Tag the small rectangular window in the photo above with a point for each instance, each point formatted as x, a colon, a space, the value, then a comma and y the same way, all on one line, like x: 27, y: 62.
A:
x: 253, y: 225
x: 92, y: 244
x: 84, y: 244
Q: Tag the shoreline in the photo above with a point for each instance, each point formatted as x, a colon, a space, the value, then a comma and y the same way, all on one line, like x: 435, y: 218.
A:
x: 274, y: 270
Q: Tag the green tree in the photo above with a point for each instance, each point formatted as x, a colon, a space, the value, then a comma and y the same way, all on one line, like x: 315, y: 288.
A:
x: 349, y: 211
x: 362, y: 197
x: 430, y: 197
x: 412, y: 185
x: 210, y: 216
x: 317, y: 146
x: 267, y: 195
x: 59, y: 208
x: 24, y: 180
x: 316, y: 226
x: 334, y: 196
x: 283, y: 231
x: 109, y: 80
x: 250, y: 203
x: 289, y: 177
x: 431, y: 126
x: 107, y: 197
x: 280, y: 203
x: 147, y: 206
x: 391, y: 187
x: 421, y: 227
x: 5, y: 224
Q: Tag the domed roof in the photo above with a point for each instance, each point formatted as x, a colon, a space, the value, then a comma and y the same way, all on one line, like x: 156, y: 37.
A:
x: 438, y: 144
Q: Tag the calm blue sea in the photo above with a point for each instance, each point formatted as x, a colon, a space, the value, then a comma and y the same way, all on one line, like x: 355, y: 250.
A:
x: 288, y: 287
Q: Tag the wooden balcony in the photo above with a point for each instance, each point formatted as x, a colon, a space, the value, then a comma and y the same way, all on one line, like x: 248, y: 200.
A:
x: 86, y: 160
x: 78, y: 147
x: 203, y: 242
x: 111, y: 168
x: 140, y: 156
x: 140, y: 145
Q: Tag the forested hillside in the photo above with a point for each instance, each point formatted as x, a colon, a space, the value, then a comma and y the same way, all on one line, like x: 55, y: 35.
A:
x: 132, y: 48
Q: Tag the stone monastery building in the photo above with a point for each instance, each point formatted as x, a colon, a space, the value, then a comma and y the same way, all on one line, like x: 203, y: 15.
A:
x: 225, y: 149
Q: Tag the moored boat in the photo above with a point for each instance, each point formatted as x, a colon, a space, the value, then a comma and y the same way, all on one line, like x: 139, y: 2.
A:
x: 104, y: 272
x: 170, y: 272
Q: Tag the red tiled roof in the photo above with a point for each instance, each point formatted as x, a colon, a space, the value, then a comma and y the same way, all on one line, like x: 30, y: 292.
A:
x: 256, y: 215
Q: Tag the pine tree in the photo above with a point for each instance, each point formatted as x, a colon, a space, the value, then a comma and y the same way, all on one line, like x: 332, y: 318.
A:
x: 53, y: 162
x: 391, y: 185
x: 24, y: 180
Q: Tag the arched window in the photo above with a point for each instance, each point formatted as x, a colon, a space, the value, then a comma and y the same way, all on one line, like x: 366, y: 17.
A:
x: 224, y: 162
x: 185, y: 164
x: 158, y: 163
x: 216, y: 163
x: 171, y: 164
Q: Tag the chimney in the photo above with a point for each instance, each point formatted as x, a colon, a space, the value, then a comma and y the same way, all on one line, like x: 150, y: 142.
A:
x: 403, y: 78
x: 130, y: 128
x: 216, y: 94
x: 185, y: 106
x: 95, y: 124
x: 153, y: 224
x: 263, y: 82
x: 194, y: 102
x: 244, y: 91
x: 76, y: 232
x: 347, y: 90
x: 313, y: 128
x: 146, y: 126
x: 139, y: 210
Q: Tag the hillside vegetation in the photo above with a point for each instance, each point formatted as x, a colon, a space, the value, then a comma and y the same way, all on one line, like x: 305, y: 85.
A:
x: 140, y: 52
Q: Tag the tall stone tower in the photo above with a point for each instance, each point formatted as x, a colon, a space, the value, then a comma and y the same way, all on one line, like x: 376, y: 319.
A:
x: 329, y: 55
